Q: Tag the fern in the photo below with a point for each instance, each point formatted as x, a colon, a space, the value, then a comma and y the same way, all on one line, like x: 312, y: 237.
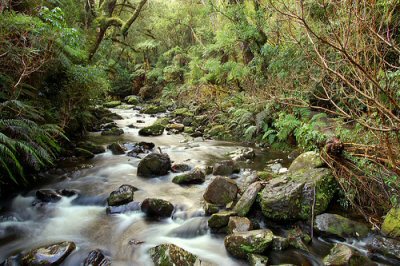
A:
x: 24, y: 143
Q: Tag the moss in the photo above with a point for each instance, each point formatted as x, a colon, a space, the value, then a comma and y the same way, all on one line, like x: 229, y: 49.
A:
x: 153, y: 109
x: 153, y: 130
x: 188, y: 130
x: 183, y: 112
x: 391, y: 224
x: 112, y: 104
x: 162, y: 121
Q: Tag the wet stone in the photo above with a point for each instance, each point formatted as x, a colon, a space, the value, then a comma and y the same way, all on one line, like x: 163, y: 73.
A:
x: 53, y: 254
x: 157, y: 208
x: 170, y: 254
x: 334, y: 224
x: 122, y: 196
x: 220, y: 219
x: 154, y: 164
x: 238, y: 224
x: 196, y: 176
x: 225, y: 168
x: 257, y: 260
x: 221, y: 191
x: 130, y: 207
x: 48, y: 195
x: 241, y: 244
x: 116, y: 148
x: 97, y: 258
x: 341, y: 254
x: 180, y: 167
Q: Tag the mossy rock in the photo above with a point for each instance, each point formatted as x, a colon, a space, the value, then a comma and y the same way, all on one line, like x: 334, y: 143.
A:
x: 221, y: 191
x: 188, y: 130
x: 132, y: 99
x: 266, y: 175
x: 111, y: 104
x: 184, y: 112
x: 334, y: 224
x: 196, y: 176
x: 342, y: 254
x: 164, y: 121
x: 241, y: 244
x: 53, y: 254
x: 158, y: 208
x: 216, y: 131
x: 257, y: 260
x: 391, y: 224
x: 247, y: 199
x: 175, y: 127
x: 220, y: 219
x: 291, y: 196
x: 154, y: 164
x: 123, y: 195
x: 153, y: 130
x: 305, y: 161
x: 171, y: 255
x: 116, y: 148
x: 153, y: 109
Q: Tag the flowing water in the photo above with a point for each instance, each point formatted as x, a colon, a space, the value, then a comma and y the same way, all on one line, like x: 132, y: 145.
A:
x: 83, y: 219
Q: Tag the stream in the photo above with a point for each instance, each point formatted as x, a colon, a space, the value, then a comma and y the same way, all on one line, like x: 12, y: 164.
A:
x: 83, y: 219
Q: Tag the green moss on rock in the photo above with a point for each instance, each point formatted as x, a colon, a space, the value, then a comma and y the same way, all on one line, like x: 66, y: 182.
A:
x: 171, y: 255
x: 111, y: 104
x: 154, y: 130
x: 153, y: 109
x: 241, y: 244
x: 391, y: 224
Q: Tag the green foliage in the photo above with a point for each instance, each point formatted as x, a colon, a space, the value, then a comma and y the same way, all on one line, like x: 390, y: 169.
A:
x: 24, y: 143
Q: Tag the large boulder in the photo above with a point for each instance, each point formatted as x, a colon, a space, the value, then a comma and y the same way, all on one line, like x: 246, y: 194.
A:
x: 154, y: 164
x: 226, y: 167
x: 153, y: 130
x: 96, y: 258
x: 196, y: 176
x: 391, y: 224
x: 291, y: 196
x: 245, y: 202
x: 334, y: 224
x: 157, y: 208
x: 306, y: 161
x: 122, y: 196
x: 53, y: 254
x: 221, y: 191
x: 171, y: 255
x: 241, y: 244
x: 343, y: 255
